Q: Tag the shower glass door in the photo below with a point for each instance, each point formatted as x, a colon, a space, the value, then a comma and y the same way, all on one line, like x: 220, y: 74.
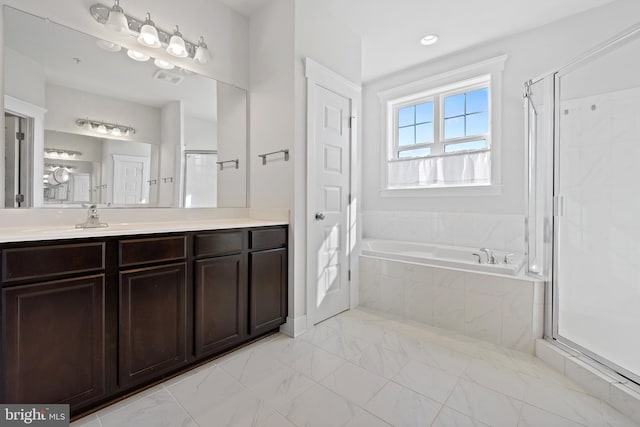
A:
x: 597, y: 193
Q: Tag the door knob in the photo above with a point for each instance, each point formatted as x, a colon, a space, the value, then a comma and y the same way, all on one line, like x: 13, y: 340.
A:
x: 319, y: 216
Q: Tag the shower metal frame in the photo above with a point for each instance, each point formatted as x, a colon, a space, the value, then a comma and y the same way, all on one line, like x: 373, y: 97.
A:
x: 551, y: 311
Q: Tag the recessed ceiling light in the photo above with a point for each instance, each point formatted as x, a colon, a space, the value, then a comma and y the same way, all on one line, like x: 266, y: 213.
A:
x: 137, y: 56
x: 429, y: 39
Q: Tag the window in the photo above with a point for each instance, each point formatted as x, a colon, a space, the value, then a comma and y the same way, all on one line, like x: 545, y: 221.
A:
x: 461, y: 116
x: 441, y: 133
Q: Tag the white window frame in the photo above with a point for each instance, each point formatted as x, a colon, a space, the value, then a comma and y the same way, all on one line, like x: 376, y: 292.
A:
x: 460, y: 80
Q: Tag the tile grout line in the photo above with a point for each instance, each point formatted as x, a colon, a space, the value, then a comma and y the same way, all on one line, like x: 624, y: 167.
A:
x: 180, y: 405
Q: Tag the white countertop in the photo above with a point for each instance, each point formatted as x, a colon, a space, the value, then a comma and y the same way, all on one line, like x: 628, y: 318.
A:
x: 35, y: 233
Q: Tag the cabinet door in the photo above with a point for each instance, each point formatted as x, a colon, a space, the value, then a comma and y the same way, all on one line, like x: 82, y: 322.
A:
x: 221, y: 308
x: 153, y: 326
x: 55, y: 342
x: 267, y: 290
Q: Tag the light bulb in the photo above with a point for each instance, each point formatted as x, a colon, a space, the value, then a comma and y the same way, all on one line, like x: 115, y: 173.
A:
x: 101, y: 128
x: 137, y: 56
x: 164, y: 64
x: 116, y: 131
x: 176, y: 46
x: 149, y: 34
x: 203, y: 55
x: 117, y: 21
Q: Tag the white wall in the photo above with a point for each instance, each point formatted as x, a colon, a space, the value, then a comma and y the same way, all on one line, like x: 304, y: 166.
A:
x: 171, y: 148
x: 232, y: 135
x: 529, y: 54
x: 23, y: 78
x: 64, y: 105
x: 278, y: 114
x: 200, y: 134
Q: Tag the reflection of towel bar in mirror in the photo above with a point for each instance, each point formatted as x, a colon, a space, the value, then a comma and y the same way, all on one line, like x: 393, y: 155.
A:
x: 167, y: 179
x: 236, y: 161
x: 264, y: 156
x: 152, y: 181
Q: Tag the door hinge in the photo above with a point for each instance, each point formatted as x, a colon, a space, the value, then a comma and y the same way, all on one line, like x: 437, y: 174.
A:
x: 349, y: 275
x: 351, y: 118
x: 20, y: 136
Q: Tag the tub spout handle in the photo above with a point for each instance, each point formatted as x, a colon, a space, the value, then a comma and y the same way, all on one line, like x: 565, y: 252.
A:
x: 507, y: 258
x: 479, y: 257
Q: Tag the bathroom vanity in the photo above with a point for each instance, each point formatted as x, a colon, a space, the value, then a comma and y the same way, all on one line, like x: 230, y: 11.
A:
x: 86, y: 320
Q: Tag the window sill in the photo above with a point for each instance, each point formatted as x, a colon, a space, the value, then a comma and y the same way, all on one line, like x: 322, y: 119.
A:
x: 444, y: 191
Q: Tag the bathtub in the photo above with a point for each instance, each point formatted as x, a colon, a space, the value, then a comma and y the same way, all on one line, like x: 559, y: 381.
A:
x: 444, y: 286
x: 455, y: 257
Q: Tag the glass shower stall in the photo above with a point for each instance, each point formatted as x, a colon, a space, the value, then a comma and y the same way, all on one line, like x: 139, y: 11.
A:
x: 583, y: 222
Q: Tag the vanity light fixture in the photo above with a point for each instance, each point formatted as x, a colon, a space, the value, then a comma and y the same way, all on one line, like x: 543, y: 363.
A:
x: 176, y: 46
x: 148, y: 34
x: 116, y: 19
x: 61, y: 153
x: 203, y: 55
x: 105, y: 128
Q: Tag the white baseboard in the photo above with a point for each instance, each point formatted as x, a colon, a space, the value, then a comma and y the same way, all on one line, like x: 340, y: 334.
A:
x: 295, y: 326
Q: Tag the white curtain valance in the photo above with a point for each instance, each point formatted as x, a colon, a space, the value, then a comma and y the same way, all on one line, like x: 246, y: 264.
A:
x: 461, y: 169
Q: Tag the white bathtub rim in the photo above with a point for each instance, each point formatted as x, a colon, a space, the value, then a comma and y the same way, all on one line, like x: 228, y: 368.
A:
x: 520, y: 274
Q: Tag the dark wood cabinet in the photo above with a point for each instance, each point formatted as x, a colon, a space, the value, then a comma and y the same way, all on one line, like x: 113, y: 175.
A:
x: 153, y: 324
x: 220, y: 303
x: 267, y: 290
x: 54, y: 342
x: 90, y: 320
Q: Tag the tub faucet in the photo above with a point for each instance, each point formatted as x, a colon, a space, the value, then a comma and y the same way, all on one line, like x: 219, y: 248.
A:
x: 93, y: 219
x: 491, y: 257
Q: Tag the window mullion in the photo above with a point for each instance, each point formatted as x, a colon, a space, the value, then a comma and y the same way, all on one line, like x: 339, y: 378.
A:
x: 437, y: 147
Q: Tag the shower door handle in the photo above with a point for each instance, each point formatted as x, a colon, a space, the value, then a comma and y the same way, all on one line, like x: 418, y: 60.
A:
x: 319, y: 216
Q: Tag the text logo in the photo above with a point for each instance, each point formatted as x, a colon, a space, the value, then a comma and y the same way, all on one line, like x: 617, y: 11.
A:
x: 34, y: 415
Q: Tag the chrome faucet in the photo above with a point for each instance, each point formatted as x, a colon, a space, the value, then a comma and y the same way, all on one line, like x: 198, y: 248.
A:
x: 491, y: 257
x: 93, y: 219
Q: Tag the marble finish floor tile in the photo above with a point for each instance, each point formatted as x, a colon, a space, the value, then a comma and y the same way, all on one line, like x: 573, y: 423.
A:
x: 365, y: 369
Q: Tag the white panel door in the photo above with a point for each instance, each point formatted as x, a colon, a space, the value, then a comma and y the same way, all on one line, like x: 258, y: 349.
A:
x: 80, y: 187
x: 328, y: 238
x: 127, y: 187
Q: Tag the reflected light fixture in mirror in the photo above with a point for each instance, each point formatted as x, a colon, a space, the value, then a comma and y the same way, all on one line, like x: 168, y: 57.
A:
x: 116, y: 20
x: 108, y: 46
x: 137, y: 56
x: 163, y: 64
x: 105, y: 128
x: 149, y: 35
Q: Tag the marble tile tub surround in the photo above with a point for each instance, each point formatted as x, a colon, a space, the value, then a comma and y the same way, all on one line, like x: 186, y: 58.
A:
x: 494, y: 231
x: 366, y: 369
x: 596, y: 379
x: 500, y: 310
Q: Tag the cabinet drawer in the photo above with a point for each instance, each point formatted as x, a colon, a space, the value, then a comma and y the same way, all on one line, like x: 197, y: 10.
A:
x: 268, y: 238
x: 49, y: 261
x: 218, y: 243
x: 153, y: 249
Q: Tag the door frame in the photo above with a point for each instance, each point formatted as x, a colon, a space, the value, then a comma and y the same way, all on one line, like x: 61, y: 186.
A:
x: 34, y: 138
x: 318, y: 75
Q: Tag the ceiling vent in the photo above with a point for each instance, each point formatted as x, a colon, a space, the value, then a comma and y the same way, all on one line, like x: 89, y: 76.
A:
x: 168, y: 77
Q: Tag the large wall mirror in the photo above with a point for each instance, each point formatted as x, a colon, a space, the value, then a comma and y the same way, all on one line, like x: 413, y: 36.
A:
x: 86, y: 123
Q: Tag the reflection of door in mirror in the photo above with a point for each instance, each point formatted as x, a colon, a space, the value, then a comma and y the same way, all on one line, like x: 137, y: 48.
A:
x: 130, y: 173
x: 200, y: 182
x: 16, y: 182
